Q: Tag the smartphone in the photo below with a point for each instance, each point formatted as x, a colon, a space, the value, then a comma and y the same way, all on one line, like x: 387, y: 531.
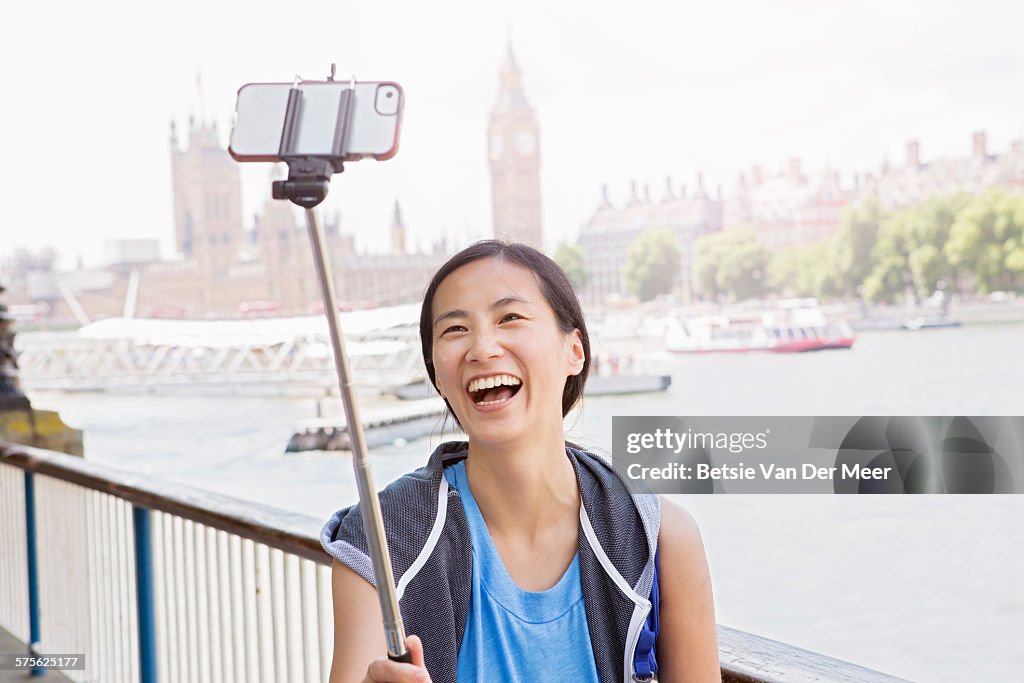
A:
x: 374, y: 120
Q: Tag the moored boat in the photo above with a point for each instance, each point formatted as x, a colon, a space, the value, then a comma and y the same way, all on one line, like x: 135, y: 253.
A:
x: 930, y: 322
x: 610, y: 385
x: 794, y: 326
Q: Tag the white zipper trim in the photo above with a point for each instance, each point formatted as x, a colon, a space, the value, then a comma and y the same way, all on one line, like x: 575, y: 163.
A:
x: 636, y: 624
x: 428, y: 548
x: 642, y: 605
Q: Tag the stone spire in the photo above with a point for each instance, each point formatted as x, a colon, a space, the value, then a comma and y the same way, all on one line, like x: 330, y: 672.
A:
x: 511, y: 76
x: 511, y: 99
x: 700, y: 193
x: 398, y: 233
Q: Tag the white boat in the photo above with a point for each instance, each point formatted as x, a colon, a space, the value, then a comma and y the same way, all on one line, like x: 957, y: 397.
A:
x: 930, y: 322
x: 793, y: 326
x: 610, y: 385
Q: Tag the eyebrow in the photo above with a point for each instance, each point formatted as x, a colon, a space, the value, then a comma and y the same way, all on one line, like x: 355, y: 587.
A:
x: 459, y: 313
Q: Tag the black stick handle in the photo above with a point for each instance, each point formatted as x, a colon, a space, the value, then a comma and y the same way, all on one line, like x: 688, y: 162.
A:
x: 405, y: 657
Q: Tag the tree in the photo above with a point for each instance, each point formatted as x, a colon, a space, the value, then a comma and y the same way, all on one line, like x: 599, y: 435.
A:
x: 929, y: 265
x: 987, y: 240
x: 652, y: 264
x: 803, y: 271
x: 890, y: 273
x: 707, y: 260
x: 855, y: 242
x: 733, y: 263
x: 570, y: 258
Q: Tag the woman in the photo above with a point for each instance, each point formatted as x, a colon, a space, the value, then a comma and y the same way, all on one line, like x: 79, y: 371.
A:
x: 518, y: 556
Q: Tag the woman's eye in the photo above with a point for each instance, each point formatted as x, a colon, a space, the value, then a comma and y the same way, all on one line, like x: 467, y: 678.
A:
x: 511, y: 316
x: 454, y: 328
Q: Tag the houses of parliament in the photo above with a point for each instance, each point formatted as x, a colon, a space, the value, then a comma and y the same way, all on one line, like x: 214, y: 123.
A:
x: 223, y: 270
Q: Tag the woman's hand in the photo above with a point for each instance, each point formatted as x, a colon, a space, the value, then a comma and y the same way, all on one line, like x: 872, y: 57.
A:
x: 383, y: 670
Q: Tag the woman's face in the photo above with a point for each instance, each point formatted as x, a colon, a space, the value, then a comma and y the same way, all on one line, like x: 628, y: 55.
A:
x: 498, y: 354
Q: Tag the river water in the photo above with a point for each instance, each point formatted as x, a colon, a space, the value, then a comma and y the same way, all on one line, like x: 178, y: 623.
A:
x: 929, y: 588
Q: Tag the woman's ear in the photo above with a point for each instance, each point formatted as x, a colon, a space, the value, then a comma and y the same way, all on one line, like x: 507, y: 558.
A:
x: 577, y: 357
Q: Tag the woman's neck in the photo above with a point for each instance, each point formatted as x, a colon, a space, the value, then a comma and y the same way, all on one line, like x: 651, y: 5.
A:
x: 525, y: 489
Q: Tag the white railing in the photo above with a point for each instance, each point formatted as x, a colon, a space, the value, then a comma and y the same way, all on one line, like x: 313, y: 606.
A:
x: 236, y: 610
x: 13, y: 563
x: 231, y: 591
x: 81, y: 544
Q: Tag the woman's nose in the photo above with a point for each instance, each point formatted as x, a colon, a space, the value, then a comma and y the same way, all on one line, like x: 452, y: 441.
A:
x: 484, y: 345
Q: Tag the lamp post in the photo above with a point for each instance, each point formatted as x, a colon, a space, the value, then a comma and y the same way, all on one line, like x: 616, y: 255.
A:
x: 11, y: 396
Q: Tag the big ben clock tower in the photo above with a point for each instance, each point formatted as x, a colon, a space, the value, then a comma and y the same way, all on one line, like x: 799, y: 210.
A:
x: 514, y: 153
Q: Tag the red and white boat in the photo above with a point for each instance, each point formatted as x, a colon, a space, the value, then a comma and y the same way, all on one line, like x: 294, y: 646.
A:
x: 793, y: 326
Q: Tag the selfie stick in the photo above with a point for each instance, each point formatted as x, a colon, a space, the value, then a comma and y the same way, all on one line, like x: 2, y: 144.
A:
x: 306, y: 186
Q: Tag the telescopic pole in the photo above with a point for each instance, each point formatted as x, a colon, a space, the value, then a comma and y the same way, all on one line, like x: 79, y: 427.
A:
x: 369, y: 505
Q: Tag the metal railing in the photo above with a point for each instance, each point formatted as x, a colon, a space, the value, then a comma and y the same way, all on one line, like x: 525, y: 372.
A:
x: 156, y: 581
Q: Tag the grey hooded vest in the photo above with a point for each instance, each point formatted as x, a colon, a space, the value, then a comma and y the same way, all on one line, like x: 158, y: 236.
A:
x: 431, y: 556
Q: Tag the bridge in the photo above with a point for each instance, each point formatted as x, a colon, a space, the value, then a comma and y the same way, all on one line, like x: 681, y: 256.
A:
x: 286, y: 356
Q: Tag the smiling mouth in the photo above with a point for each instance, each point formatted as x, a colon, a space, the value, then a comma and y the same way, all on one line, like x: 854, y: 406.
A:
x: 491, y: 391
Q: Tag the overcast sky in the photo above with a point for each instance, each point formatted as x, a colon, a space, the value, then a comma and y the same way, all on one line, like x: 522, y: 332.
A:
x: 642, y: 92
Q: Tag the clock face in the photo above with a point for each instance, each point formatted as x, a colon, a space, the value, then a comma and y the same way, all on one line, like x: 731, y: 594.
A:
x: 496, y: 146
x: 525, y: 143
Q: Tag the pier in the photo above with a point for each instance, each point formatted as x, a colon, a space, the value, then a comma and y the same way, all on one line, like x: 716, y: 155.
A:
x: 156, y: 581
x: 385, y: 424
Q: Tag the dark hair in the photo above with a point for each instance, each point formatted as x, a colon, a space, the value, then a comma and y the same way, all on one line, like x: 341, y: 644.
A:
x: 554, y: 285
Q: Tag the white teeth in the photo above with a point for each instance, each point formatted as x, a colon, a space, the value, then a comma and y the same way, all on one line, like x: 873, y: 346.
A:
x: 491, y: 382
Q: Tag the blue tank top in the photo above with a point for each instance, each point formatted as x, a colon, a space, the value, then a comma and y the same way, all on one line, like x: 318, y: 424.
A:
x: 517, y: 635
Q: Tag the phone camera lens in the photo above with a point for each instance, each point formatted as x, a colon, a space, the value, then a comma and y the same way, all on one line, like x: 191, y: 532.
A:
x: 388, y: 100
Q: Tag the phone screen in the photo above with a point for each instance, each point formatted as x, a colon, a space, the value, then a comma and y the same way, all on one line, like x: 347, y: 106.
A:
x: 260, y: 114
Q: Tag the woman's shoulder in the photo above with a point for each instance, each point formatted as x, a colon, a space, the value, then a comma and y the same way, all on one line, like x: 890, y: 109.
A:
x: 409, y: 506
x: 681, y: 544
x: 677, y: 522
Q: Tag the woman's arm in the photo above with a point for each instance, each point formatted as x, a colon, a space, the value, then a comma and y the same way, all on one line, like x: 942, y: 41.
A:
x: 360, y: 648
x: 687, y: 648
